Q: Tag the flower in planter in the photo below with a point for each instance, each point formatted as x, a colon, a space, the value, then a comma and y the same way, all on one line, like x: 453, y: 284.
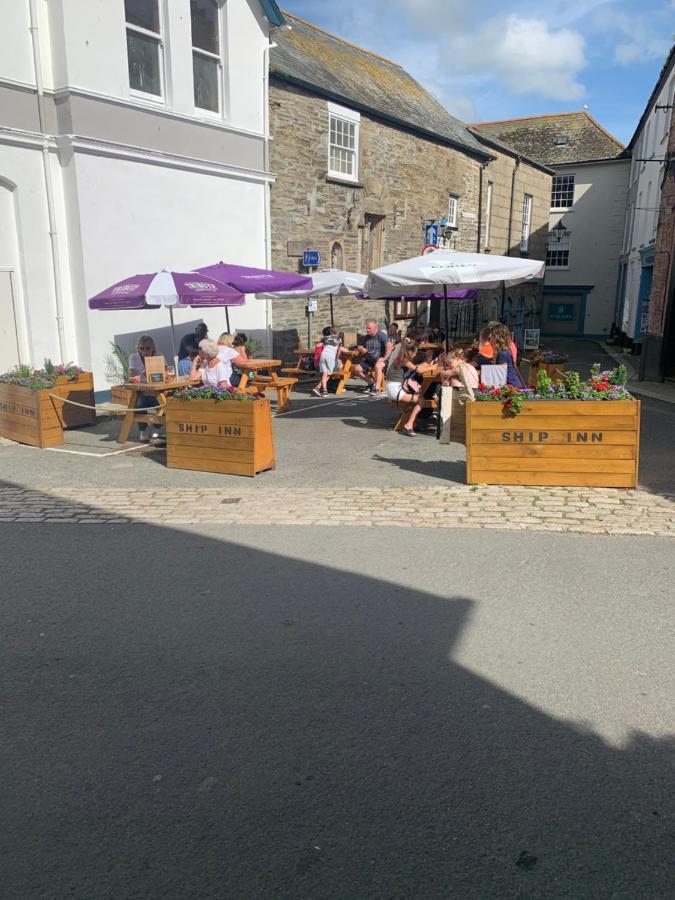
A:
x: 206, y: 392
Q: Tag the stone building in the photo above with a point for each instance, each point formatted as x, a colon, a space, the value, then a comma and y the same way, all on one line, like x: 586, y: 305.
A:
x: 586, y: 215
x: 365, y: 160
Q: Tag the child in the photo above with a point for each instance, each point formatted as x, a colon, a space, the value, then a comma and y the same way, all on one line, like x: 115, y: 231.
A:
x: 456, y: 361
x: 328, y: 360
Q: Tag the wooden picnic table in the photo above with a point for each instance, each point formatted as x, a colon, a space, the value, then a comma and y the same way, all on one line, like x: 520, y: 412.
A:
x: 425, y: 345
x: 266, y: 379
x: 159, y: 391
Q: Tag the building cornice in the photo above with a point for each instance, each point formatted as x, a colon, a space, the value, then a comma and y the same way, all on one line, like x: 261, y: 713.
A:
x: 98, y: 147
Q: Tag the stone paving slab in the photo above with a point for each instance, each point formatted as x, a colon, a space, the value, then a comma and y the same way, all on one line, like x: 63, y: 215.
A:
x: 578, y: 510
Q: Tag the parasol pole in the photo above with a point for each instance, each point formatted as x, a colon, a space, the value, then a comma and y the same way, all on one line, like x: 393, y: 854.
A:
x: 227, y: 319
x: 447, y: 329
x: 332, y: 320
x: 173, y: 339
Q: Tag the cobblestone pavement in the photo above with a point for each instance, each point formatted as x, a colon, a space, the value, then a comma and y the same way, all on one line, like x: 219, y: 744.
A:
x: 589, y: 511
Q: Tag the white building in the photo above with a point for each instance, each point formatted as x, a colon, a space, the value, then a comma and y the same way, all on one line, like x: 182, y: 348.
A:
x: 648, y: 151
x: 133, y: 135
x: 586, y: 215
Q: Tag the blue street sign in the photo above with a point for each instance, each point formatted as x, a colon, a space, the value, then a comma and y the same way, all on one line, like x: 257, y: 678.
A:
x: 431, y: 234
x: 311, y: 258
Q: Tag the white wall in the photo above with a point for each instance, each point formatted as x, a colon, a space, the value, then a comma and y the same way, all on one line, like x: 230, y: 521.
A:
x: 90, y: 53
x: 596, y: 223
x: 16, y: 55
x: 138, y: 218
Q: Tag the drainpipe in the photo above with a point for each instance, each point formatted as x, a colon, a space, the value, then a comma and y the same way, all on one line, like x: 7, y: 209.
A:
x: 513, y: 191
x: 266, y: 167
x: 49, y: 187
x: 480, y: 204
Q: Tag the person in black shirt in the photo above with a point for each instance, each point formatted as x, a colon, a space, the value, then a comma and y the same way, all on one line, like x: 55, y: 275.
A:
x: 189, y: 343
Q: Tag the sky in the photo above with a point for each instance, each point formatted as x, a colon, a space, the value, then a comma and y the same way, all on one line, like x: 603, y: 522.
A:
x: 487, y: 60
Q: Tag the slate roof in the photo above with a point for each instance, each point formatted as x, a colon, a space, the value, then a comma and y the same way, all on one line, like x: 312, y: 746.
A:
x: 556, y: 139
x: 496, y: 144
x: 322, y: 63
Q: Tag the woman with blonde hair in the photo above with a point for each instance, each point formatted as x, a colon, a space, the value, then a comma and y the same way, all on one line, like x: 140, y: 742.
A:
x: 230, y: 356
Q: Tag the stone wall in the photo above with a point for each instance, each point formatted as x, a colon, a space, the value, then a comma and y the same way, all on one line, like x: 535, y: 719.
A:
x: 403, y: 178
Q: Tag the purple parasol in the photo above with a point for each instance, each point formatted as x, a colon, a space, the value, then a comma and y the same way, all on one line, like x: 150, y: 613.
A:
x: 166, y: 288
x: 250, y: 280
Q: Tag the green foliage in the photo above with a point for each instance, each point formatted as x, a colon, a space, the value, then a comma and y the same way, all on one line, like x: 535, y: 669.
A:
x: 544, y: 381
x: 619, y: 375
x: 117, y: 365
x: 49, y: 366
x: 595, y: 370
x: 253, y: 347
x: 573, y: 385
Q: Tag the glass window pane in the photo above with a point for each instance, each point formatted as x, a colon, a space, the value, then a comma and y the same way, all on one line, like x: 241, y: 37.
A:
x: 144, y: 13
x: 205, y: 73
x: 143, y: 57
x: 204, y: 16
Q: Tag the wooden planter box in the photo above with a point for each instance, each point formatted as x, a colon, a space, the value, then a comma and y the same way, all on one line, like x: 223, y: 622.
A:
x: 35, y: 418
x: 554, y: 442
x: 555, y: 371
x: 230, y: 437
x: 119, y: 394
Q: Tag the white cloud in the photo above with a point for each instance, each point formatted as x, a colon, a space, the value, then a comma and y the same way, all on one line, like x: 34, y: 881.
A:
x: 524, y: 54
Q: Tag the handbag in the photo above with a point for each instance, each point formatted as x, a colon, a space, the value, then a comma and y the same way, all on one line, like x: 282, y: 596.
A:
x: 494, y: 376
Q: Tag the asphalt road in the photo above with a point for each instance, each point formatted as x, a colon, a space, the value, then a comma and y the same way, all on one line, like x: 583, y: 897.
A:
x: 335, y: 713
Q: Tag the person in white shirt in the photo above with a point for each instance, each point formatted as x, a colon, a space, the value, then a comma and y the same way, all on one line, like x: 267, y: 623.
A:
x: 229, y: 355
x: 208, y: 368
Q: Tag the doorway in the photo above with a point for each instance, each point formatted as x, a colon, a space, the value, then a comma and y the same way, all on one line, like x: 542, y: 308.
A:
x: 9, y: 338
x: 373, y: 238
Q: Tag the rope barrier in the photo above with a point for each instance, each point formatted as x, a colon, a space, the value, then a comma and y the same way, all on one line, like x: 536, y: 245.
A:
x: 114, y: 412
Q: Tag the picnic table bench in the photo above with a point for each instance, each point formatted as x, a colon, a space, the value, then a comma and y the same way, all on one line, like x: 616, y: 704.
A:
x: 341, y: 374
x: 430, y: 378
x: 267, y: 379
x: 160, y: 391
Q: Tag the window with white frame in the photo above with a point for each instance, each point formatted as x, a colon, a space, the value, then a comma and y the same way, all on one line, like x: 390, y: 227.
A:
x: 558, y: 249
x: 562, y: 193
x: 144, y: 46
x: 206, y: 58
x: 343, y: 143
x: 527, y: 220
x: 488, y: 214
x: 453, y: 210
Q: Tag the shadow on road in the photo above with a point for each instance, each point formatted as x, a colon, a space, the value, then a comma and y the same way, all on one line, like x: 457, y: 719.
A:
x: 187, y: 717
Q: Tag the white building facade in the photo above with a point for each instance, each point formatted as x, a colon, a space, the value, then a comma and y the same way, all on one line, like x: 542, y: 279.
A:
x: 648, y: 152
x: 133, y: 136
x: 584, y: 244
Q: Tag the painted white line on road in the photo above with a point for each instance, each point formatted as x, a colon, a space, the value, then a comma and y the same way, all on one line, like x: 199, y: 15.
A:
x: 351, y: 401
x: 98, y: 455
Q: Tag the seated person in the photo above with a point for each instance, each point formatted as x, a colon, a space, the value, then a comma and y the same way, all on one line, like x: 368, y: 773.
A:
x: 185, y: 365
x: 239, y: 344
x: 231, y: 356
x: 401, y: 387
x: 145, y: 346
x: 457, y: 361
x: 499, y: 341
x: 485, y: 347
x: 190, y: 342
x: 374, y: 349
x: 207, y: 366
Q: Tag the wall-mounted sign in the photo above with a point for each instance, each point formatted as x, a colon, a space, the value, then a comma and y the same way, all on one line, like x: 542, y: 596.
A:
x: 312, y: 306
x: 311, y: 258
x: 561, y: 312
x: 431, y: 234
x: 531, y: 339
